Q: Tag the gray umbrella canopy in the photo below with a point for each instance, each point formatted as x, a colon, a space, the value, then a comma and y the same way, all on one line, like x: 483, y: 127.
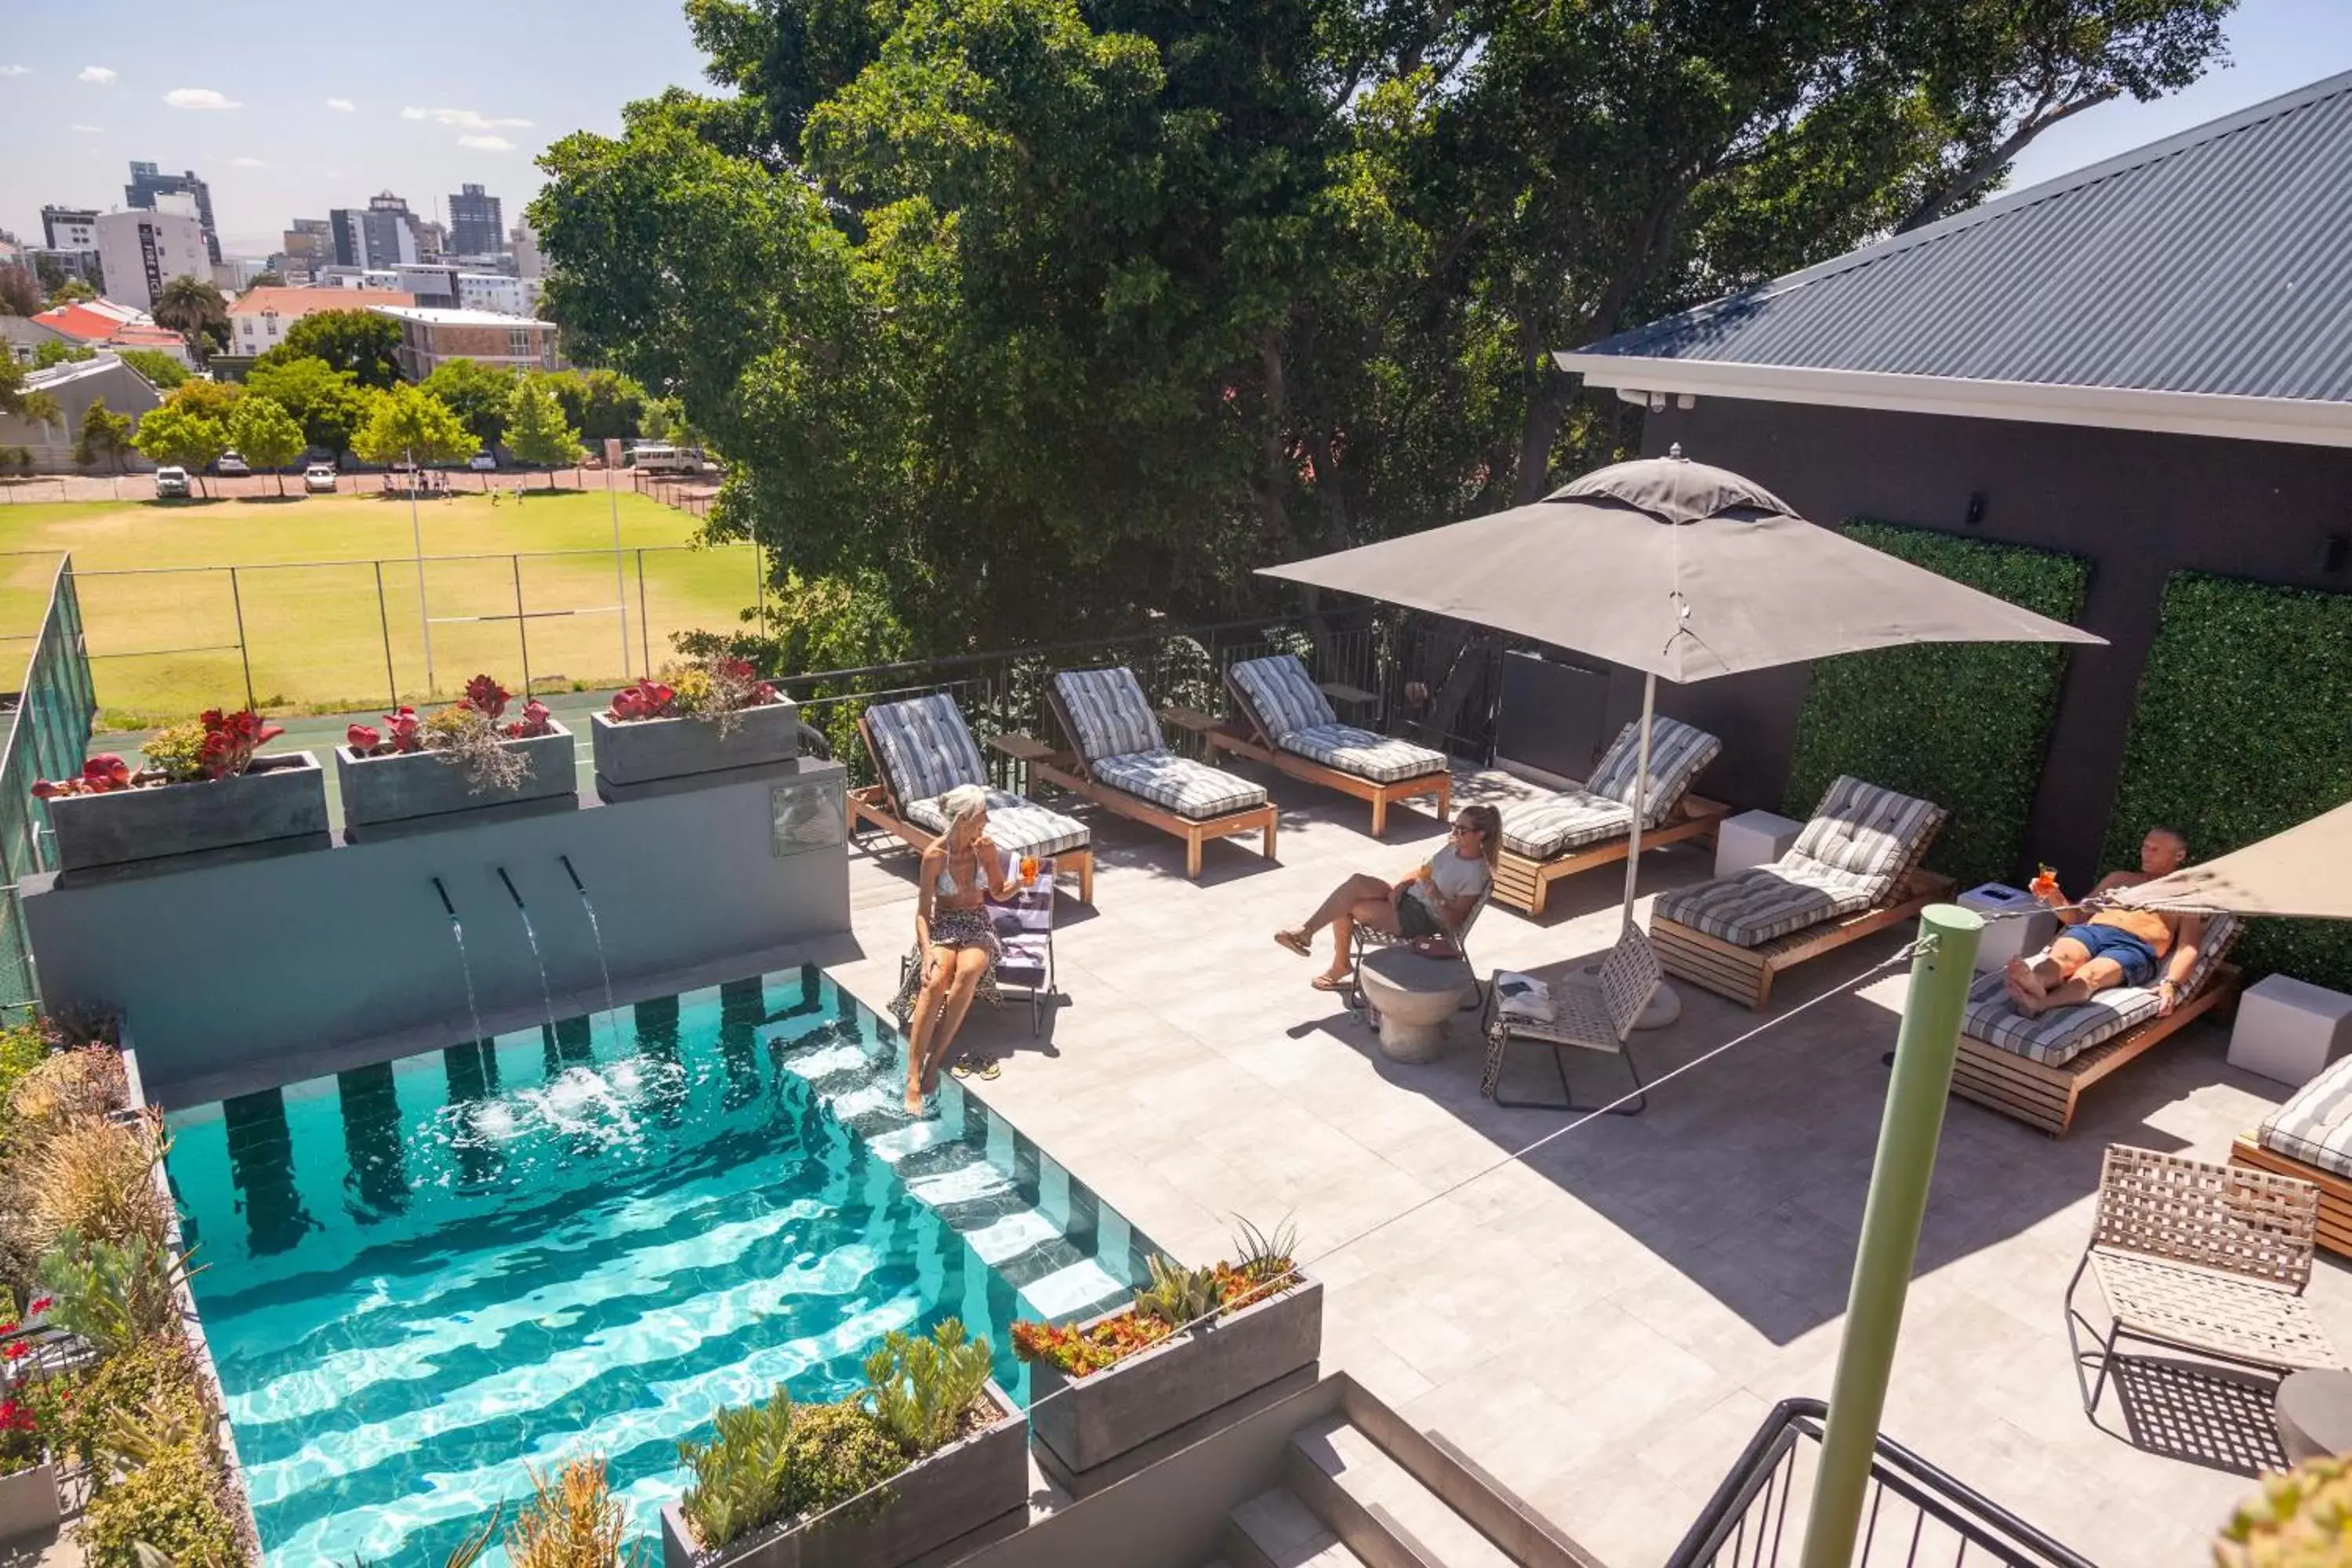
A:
x: 2305, y: 871
x: 1676, y: 569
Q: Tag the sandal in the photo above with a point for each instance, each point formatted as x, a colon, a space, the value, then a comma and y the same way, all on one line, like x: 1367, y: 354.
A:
x: 1325, y: 982
x: 1294, y: 941
x: 990, y: 1069
x: 964, y: 1067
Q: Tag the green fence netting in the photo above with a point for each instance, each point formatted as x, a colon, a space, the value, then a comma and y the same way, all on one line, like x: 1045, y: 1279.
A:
x: 47, y: 734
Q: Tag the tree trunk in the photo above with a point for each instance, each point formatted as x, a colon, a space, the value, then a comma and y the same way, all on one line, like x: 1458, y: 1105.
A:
x: 1970, y: 180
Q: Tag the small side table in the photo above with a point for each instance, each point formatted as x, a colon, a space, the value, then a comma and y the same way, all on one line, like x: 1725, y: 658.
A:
x: 1416, y: 998
x: 1354, y: 698
x: 2029, y: 928
x: 2314, y: 1413
x: 2289, y: 1029
x: 1752, y: 839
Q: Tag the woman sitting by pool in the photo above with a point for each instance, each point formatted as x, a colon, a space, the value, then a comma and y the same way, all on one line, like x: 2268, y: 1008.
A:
x: 1426, y: 909
x: 956, y: 949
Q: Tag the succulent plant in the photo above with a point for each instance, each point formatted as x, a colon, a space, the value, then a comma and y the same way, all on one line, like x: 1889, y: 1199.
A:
x: 1178, y: 1296
x: 2301, y: 1519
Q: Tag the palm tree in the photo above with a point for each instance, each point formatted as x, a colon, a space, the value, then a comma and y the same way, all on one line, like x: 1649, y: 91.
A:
x: 189, y: 305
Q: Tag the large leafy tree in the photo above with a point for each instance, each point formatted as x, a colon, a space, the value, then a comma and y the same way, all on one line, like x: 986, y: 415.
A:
x: 602, y: 405
x: 328, y: 403
x: 476, y: 393
x: 194, y: 307
x: 360, y: 342
x: 408, y: 424
x: 267, y: 435
x: 20, y: 291
x: 179, y: 434
x: 105, y: 436
x: 536, y: 427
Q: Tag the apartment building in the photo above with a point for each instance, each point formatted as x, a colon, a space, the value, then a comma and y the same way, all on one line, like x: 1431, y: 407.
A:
x: 260, y: 318
x: 428, y: 337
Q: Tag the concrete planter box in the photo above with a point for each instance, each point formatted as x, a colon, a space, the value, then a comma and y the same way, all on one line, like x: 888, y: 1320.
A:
x: 404, y: 786
x: 28, y: 1502
x: 645, y: 749
x: 1083, y: 1424
x: 283, y: 797
x: 969, y: 1493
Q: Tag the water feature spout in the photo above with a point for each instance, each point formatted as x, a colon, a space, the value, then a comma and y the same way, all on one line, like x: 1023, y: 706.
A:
x: 445, y: 904
x: 465, y: 965
x: 531, y: 936
x: 596, y: 931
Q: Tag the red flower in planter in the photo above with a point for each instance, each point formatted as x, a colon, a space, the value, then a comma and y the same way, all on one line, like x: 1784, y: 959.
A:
x: 487, y: 697
x: 406, y: 729
x: 646, y: 700
x: 101, y: 774
x: 40, y: 1304
x: 232, y: 739
x: 14, y: 1350
x: 363, y: 739
x: 534, y: 720
x: 14, y: 1417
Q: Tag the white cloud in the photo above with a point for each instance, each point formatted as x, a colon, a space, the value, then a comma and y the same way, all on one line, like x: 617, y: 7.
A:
x: 249, y: 164
x: 487, y: 144
x: 343, y: 105
x: 89, y: 130
x: 460, y: 119
x: 15, y: 70
x: 98, y: 75
x: 199, y: 98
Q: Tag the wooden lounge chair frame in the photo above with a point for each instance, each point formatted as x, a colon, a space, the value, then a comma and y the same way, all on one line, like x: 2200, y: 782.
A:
x: 1068, y: 770
x: 877, y: 804
x: 1525, y: 883
x: 1218, y: 735
x: 2044, y: 1097
x: 1744, y: 974
x: 2249, y: 1153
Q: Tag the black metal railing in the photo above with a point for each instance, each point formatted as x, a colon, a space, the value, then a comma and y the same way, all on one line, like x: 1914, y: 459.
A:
x: 1913, y: 1512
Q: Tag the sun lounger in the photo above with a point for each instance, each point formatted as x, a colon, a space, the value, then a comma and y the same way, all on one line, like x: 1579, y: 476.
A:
x: 2310, y: 1136
x: 2035, y: 1069
x: 1120, y: 760
x: 1287, y: 722
x: 1561, y: 833
x: 1854, y: 870
x: 922, y: 749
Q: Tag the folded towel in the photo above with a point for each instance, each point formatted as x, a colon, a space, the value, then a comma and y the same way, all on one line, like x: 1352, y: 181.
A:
x: 1522, y: 996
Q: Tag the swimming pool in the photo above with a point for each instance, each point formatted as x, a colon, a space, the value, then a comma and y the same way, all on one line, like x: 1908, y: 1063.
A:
x: 585, y: 1239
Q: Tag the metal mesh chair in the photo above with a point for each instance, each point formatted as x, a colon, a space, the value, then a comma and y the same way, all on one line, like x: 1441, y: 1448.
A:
x: 1589, y: 1017
x: 2196, y: 1257
x: 1365, y: 940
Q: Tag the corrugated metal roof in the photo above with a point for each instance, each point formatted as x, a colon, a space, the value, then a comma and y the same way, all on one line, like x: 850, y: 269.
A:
x: 2218, y: 260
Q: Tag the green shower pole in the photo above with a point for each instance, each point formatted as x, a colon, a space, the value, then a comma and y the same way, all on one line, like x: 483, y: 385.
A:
x: 1941, y: 970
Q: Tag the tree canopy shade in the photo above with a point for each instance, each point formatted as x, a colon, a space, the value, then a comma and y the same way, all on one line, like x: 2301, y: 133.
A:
x: 602, y: 405
x: 328, y: 403
x: 266, y: 435
x: 105, y: 436
x: 536, y: 428
x: 475, y: 392
x: 408, y: 424
x: 360, y: 342
x: 160, y: 369
x: 1129, y: 296
x: 16, y: 398
x: 183, y: 436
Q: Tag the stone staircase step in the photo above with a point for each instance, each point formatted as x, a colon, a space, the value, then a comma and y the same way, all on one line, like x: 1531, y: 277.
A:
x: 1274, y: 1530
x: 1379, y: 1507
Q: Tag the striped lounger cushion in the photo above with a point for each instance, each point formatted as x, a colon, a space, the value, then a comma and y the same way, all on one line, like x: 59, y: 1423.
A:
x: 2061, y: 1035
x: 1360, y: 752
x: 1185, y: 786
x: 1540, y: 829
x: 1861, y: 841
x: 1282, y: 695
x: 2315, y: 1126
x: 1678, y: 754
x: 1107, y: 713
x: 1017, y: 825
x: 925, y: 748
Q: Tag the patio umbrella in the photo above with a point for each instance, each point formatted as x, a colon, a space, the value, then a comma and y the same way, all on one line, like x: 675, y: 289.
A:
x: 1678, y: 570
x: 2305, y: 871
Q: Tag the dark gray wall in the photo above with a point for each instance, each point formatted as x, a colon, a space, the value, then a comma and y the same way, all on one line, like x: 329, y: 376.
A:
x: 225, y: 965
x: 2140, y: 505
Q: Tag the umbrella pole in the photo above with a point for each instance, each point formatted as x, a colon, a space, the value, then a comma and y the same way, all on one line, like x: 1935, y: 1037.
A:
x: 1641, y: 799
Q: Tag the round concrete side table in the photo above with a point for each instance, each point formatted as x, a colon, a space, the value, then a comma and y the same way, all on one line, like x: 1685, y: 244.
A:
x: 1415, y: 997
x: 2314, y: 1415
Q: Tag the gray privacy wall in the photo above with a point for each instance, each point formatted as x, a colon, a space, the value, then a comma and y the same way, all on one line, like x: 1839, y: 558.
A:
x: 235, y: 961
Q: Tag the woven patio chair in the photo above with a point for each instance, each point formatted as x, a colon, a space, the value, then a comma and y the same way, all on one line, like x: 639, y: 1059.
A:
x: 2202, y: 1257
x: 1589, y: 1017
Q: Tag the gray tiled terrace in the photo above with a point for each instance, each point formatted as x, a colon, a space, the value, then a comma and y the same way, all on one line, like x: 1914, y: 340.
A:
x: 1604, y: 1325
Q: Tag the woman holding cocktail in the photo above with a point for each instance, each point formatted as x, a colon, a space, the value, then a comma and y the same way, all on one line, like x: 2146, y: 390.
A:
x: 956, y: 949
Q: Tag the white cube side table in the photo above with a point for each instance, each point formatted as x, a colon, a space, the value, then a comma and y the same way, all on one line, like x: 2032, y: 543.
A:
x: 2289, y: 1029
x: 1752, y: 839
x: 2027, y: 926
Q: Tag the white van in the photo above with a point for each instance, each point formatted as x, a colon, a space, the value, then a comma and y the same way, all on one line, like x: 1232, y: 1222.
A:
x: 660, y: 457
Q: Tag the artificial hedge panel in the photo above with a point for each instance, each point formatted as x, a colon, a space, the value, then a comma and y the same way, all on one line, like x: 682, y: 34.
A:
x: 2243, y: 730
x: 1963, y: 724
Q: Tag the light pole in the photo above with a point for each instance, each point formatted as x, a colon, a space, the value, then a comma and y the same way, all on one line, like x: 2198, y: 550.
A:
x: 620, y: 577
x: 416, y: 532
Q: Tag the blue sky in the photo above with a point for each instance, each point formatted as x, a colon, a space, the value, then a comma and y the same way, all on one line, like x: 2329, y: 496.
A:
x: 289, y: 109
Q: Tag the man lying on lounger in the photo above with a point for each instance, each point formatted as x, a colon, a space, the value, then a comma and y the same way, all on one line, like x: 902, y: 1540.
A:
x: 2112, y: 947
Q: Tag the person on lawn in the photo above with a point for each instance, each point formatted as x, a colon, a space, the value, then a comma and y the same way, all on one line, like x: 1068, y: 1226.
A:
x: 2112, y: 947
x: 1427, y: 908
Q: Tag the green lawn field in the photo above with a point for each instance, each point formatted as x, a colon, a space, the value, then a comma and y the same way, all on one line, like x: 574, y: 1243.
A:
x: 164, y: 644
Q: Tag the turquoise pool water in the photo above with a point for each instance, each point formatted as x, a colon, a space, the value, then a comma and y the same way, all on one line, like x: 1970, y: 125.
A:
x: 587, y: 1237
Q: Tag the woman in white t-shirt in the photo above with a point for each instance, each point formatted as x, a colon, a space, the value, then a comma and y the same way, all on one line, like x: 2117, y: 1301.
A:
x: 1427, y: 908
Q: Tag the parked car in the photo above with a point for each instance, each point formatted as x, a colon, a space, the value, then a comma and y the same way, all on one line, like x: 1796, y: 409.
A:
x: 482, y: 463
x: 170, y: 484
x: 319, y: 478
x: 231, y: 465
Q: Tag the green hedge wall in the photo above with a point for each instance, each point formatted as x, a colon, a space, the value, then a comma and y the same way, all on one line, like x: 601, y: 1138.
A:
x: 2243, y: 730
x: 1963, y: 724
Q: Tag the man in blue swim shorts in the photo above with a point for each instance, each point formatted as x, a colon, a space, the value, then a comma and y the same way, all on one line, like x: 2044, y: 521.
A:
x: 2108, y: 948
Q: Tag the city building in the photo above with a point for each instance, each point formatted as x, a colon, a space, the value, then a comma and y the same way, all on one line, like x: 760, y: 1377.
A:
x: 310, y: 246
x: 432, y: 240
x: 528, y: 263
x: 142, y: 249
x: 383, y: 234
x: 497, y: 291
x: 429, y: 337
x: 425, y: 283
x: 476, y: 228
x: 146, y: 184
x: 23, y: 335
x: 259, y: 319
x: 69, y: 228
x: 236, y: 273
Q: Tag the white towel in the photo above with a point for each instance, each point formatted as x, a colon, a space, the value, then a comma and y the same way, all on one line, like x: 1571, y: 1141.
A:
x: 1522, y: 996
